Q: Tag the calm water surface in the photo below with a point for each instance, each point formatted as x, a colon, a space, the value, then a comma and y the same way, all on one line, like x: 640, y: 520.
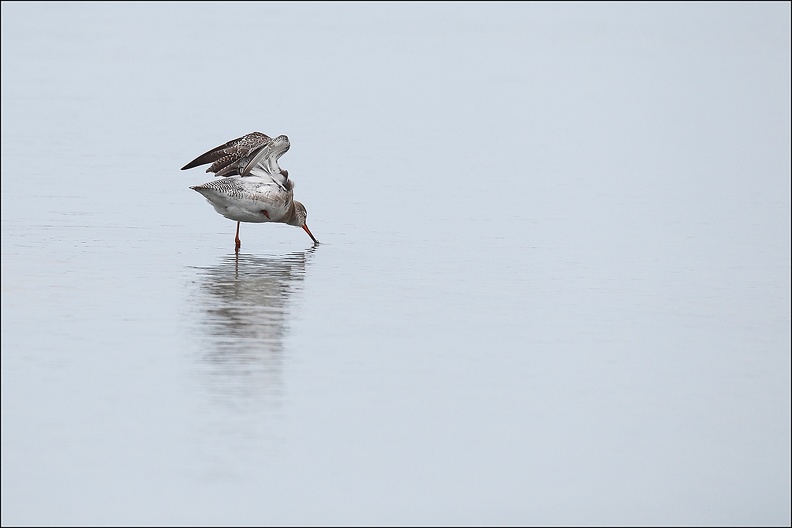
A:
x: 553, y: 284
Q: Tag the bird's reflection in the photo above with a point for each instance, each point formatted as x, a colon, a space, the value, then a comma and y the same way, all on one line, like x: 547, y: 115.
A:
x: 246, y: 302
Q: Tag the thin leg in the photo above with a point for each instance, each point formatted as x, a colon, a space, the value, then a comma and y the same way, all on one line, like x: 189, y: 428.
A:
x: 237, y: 242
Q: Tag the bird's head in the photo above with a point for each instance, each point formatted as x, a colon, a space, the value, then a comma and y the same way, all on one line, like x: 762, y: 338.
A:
x: 299, y: 217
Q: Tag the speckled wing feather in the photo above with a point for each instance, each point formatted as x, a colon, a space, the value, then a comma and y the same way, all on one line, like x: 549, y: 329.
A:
x: 231, y: 157
x: 266, y: 158
x: 264, y: 163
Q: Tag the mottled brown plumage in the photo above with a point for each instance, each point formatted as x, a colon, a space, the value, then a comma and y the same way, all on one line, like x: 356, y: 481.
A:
x: 226, y: 158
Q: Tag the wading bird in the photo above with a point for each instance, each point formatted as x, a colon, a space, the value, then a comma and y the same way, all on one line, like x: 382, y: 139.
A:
x: 254, y: 188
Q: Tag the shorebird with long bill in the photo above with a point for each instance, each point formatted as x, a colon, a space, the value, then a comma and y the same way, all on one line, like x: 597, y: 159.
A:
x: 254, y: 188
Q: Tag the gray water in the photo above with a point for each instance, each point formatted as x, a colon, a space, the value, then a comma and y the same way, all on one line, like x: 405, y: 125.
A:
x: 553, y: 286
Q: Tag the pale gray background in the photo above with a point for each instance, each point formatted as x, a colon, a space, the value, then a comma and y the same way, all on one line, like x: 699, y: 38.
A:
x: 554, y: 286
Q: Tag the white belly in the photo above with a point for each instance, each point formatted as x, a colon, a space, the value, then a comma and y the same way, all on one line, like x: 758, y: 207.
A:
x: 243, y: 201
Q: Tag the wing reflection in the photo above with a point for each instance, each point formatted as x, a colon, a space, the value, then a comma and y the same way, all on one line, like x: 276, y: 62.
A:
x: 247, y: 302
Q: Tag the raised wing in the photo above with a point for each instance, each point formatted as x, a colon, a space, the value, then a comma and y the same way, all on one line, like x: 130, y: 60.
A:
x: 266, y: 158
x: 235, y: 156
x: 264, y: 163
